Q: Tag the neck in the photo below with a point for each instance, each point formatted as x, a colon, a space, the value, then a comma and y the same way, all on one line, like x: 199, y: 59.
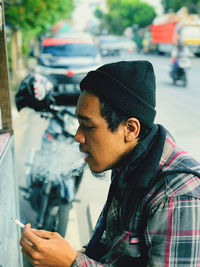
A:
x: 125, y: 157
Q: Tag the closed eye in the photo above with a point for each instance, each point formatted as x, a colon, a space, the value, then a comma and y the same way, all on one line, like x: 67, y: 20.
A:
x: 85, y: 126
x: 88, y: 127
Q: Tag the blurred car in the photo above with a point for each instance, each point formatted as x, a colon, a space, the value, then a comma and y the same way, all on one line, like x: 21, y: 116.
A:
x: 111, y: 45
x: 126, y: 44
x: 66, y: 59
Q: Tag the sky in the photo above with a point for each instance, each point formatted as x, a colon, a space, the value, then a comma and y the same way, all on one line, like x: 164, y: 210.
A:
x: 83, y: 13
x: 156, y: 4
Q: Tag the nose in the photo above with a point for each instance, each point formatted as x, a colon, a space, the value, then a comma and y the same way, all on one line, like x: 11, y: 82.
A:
x: 79, y: 136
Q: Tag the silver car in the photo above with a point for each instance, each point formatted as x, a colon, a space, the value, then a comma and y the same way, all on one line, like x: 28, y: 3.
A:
x: 65, y: 60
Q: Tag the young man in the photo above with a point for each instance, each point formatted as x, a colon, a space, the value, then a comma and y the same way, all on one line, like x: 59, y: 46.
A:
x: 152, y: 213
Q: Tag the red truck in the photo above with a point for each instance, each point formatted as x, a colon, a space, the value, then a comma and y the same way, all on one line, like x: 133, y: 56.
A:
x: 165, y: 36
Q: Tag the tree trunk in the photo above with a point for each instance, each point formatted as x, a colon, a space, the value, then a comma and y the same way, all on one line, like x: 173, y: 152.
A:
x: 14, y: 57
x: 5, y: 109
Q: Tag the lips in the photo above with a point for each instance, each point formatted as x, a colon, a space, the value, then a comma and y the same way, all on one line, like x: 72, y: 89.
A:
x: 86, y: 155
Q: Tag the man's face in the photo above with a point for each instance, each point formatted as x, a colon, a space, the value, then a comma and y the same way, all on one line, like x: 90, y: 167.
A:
x: 104, y: 147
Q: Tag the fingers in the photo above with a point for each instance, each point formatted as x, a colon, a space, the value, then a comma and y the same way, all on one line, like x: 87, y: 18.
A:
x: 26, y: 245
x: 33, y: 258
x: 34, y: 237
x: 29, y: 235
x: 23, y: 238
x: 27, y: 255
x: 44, y: 234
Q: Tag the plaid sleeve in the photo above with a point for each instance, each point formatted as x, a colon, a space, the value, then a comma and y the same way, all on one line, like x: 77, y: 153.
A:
x: 173, y: 233
x: 83, y: 261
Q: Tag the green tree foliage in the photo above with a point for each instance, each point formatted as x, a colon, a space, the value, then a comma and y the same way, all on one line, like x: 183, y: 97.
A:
x: 175, y: 5
x: 37, y: 16
x: 126, y: 13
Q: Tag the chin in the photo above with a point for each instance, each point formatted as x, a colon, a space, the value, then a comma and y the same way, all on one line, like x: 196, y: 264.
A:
x: 99, y: 175
x: 97, y: 171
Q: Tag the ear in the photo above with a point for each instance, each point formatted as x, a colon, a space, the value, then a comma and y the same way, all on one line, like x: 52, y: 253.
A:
x: 132, y: 129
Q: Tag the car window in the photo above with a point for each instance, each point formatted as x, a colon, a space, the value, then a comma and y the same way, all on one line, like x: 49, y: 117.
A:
x: 106, y: 41
x: 71, y: 50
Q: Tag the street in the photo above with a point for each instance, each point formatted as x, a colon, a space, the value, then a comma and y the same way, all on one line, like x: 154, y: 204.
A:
x: 178, y: 109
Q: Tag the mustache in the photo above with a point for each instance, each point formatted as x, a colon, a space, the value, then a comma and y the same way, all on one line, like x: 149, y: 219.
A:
x: 82, y: 150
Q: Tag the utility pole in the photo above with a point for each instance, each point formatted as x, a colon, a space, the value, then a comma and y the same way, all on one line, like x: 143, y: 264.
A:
x: 10, y: 253
x: 5, y: 107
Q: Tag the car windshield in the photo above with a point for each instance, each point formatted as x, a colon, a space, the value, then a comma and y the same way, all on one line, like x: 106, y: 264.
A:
x: 71, y: 50
x: 107, y: 41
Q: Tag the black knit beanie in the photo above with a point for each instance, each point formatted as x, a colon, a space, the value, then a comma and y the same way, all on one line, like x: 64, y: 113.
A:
x: 127, y: 86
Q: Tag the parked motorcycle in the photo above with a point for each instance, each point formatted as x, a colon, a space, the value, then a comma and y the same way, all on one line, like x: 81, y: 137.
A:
x: 54, y: 173
x: 178, y: 70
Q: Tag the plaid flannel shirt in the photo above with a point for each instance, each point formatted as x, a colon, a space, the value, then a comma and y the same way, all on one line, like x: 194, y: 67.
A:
x: 171, y: 233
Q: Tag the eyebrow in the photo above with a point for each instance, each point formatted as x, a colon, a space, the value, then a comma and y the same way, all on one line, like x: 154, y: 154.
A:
x: 82, y: 117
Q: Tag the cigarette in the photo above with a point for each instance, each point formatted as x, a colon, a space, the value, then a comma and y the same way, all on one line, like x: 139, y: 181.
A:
x: 18, y: 222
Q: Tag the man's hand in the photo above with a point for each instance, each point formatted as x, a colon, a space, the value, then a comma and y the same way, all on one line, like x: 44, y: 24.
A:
x: 46, y: 249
